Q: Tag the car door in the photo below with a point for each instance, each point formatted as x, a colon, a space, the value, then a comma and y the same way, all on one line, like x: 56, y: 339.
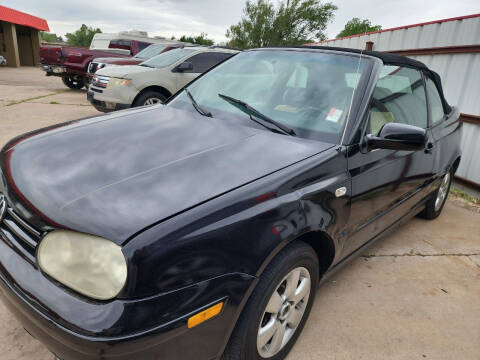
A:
x: 200, y: 63
x: 386, y: 184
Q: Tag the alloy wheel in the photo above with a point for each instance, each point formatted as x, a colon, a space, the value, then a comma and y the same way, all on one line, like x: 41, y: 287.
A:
x: 442, y: 192
x: 152, y: 101
x: 284, y: 312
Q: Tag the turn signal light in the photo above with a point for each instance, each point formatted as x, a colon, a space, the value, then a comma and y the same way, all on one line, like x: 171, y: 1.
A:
x: 205, y: 315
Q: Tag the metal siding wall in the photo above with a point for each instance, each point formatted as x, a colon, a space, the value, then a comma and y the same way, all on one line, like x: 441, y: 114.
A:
x: 460, y: 73
x: 470, y: 165
x: 460, y: 77
x: 449, y: 33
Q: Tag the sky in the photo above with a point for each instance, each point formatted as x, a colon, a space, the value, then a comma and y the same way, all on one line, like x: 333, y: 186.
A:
x: 179, y: 17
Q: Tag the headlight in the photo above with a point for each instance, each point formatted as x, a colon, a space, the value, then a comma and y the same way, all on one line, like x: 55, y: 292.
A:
x: 89, y: 264
x: 118, y: 82
x: 102, y: 65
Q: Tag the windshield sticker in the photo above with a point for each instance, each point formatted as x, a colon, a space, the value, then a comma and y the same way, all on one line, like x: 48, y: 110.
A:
x: 334, y: 115
x: 286, y: 108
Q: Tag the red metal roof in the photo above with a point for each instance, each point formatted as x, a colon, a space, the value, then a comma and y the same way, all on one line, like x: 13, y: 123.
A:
x: 21, y: 18
x: 406, y: 27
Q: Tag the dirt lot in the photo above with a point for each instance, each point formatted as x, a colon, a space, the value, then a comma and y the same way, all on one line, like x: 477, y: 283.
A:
x: 415, y: 295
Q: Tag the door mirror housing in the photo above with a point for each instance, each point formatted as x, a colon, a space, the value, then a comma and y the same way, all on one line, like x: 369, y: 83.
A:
x: 395, y: 136
x: 185, y: 66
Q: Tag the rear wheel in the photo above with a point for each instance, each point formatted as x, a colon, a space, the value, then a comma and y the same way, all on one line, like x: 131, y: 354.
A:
x: 435, y: 204
x: 75, y: 82
x: 278, y: 307
x: 150, y: 98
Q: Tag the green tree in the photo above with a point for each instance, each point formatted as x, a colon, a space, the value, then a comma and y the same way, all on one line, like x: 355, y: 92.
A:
x: 50, y: 37
x: 198, y: 40
x: 358, y: 26
x: 83, y: 36
x: 291, y: 22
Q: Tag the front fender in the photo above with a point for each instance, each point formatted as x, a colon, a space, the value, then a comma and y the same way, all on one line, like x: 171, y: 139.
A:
x: 241, y: 231
x: 158, y: 80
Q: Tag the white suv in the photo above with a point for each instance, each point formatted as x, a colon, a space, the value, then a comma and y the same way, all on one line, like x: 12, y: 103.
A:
x: 154, y: 80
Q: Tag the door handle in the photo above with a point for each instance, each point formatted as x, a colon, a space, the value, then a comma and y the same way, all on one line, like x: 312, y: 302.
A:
x: 429, y: 148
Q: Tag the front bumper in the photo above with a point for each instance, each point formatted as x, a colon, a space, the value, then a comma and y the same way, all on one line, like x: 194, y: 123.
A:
x: 111, y: 98
x: 54, y: 70
x: 75, y: 328
x: 105, y: 106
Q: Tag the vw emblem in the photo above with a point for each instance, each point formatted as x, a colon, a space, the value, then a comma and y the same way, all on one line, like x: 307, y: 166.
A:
x: 3, y: 207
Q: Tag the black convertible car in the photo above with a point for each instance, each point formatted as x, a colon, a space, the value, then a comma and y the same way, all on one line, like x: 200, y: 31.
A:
x: 200, y: 229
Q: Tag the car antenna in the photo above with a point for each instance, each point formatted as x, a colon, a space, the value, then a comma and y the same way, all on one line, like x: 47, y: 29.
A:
x: 357, y: 73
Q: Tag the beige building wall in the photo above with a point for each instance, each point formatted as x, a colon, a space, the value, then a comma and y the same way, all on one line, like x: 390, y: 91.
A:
x: 9, y: 47
x: 36, y: 43
x: 20, y: 45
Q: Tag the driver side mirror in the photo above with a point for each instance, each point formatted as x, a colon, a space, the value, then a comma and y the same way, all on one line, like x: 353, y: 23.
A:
x: 396, y: 136
x: 185, y: 66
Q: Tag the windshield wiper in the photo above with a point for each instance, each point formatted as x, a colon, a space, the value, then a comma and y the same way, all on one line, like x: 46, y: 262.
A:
x: 196, y: 106
x: 146, y: 65
x: 247, y: 109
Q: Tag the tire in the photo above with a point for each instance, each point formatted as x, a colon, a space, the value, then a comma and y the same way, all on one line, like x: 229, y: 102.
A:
x: 73, y: 82
x: 99, y: 109
x: 256, y: 318
x: 437, y: 200
x: 149, y: 98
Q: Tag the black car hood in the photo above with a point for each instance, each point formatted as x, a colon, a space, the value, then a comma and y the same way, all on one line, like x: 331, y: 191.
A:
x: 114, y: 175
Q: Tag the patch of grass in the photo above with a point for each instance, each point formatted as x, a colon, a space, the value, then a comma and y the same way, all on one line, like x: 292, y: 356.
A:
x: 465, y: 196
x: 30, y: 99
x: 54, y: 102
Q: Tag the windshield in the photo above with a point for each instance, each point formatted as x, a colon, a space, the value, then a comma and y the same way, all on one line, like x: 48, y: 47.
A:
x: 168, y: 58
x: 309, y: 92
x: 150, y: 51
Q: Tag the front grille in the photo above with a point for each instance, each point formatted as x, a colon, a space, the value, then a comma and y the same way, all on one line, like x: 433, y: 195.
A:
x: 100, y: 81
x: 20, y: 235
x: 92, y: 67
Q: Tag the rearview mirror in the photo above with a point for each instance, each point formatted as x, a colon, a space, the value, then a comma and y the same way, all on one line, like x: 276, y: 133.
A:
x: 185, y: 66
x: 395, y: 136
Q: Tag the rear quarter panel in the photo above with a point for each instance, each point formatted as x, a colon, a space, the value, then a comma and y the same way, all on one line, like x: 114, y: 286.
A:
x: 447, y: 135
x: 51, y: 55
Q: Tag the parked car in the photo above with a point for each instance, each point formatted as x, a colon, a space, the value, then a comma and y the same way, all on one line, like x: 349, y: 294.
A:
x: 145, y: 54
x: 200, y: 229
x: 154, y: 80
x: 3, y: 61
x: 71, y: 63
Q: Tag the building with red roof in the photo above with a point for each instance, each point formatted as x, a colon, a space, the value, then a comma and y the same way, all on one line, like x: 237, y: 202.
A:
x: 20, y: 37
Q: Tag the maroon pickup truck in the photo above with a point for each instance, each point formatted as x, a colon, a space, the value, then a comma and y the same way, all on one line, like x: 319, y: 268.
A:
x: 71, y: 63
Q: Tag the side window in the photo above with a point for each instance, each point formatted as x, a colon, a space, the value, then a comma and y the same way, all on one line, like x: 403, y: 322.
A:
x: 142, y: 45
x: 205, y: 61
x: 435, y: 102
x: 120, y: 44
x: 398, y: 97
x: 114, y: 44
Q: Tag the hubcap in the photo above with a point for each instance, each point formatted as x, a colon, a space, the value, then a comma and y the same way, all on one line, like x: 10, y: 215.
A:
x: 152, y: 101
x: 284, y: 312
x: 442, y: 192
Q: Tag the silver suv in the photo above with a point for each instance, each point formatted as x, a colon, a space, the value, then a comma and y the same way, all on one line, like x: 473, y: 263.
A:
x: 154, y: 80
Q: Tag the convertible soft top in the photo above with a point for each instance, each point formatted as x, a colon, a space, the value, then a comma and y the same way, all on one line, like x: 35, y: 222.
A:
x: 394, y: 59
